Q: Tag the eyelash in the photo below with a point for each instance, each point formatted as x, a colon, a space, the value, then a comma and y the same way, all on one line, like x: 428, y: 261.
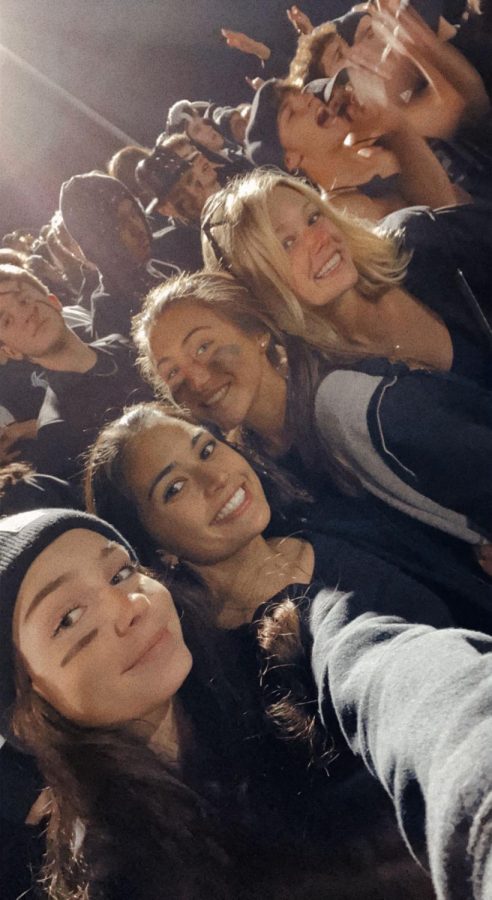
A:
x: 202, y: 348
x: 198, y: 352
x: 132, y: 568
x: 205, y: 453
x: 312, y: 218
x: 65, y: 624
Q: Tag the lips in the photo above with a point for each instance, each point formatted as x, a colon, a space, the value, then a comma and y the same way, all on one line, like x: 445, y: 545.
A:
x: 217, y: 397
x: 329, y: 267
x: 234, y: 506
x: 145, y: 652
x: 322, y: 117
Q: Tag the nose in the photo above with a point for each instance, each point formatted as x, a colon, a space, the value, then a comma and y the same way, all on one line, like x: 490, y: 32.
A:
x: 214, y: 479
x: 196, y: 376
x: 317, y: 235
x: 130, y: 609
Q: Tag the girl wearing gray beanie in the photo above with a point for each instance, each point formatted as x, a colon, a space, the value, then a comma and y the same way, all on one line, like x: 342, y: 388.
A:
x: 96, y: 682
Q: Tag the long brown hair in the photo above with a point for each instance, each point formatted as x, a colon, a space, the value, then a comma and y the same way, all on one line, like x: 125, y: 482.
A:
x: 122, y: 822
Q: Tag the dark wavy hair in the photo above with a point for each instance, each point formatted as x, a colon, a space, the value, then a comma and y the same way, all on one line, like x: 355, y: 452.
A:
x: 122, y: 822
x: 108, y: 495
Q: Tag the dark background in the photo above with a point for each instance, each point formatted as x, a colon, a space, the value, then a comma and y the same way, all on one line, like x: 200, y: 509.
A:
x: 129, y: 60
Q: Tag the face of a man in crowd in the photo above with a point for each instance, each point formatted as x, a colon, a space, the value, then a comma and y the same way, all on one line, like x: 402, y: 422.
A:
x: 238, y: 125
x: 134, y: 232
x: 31, y: 323
x: 193, y: 189
x: 333, y: 56
x: 203, y: 169
x: 203, y: 133
x: 307, y: 126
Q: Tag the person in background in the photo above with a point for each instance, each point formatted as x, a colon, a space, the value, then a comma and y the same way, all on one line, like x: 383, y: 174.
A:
x: 197, y: 121
x: 180, y: 180
x: 122, y: 166
x: 233, y: 121
x: 367, y: 157
x: 417, y: 287
x: 86, y: 382
x: 110, y: 226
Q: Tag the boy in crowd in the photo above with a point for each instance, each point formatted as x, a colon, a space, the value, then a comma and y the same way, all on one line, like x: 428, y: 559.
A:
x: 366, y: 156
x: 88, y: 384
x: 113, y: 232
x: 181, y: 180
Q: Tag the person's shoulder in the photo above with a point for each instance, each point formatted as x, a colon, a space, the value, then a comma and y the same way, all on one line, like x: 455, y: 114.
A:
x: 178, y: 244
x: 406, y: 221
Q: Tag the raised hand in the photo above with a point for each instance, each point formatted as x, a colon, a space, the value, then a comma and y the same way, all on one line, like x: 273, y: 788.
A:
x: 240, y: 41
x: 301, y: 22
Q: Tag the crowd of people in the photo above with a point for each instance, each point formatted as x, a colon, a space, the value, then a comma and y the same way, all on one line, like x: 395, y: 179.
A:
x: 246, y: 488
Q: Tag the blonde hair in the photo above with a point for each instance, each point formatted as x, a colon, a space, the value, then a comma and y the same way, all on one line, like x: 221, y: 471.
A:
x: 305, y: 66
x: 218, y: 291
x: 237, y: 235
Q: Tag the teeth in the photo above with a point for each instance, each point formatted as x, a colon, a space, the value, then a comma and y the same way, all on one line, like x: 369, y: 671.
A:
x: 232, y: 504
x: 331, y: 264
x: 218, y: 396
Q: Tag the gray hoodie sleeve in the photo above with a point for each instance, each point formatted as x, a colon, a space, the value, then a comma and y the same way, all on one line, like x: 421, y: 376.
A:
x: 421, y: 442
x: 415, y: 702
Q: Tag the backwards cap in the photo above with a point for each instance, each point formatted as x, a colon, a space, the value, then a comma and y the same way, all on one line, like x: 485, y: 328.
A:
x: 262, y: 141
x: 159, y: 172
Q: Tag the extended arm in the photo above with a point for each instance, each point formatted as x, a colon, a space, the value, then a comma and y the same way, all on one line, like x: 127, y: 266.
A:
x: 422, y: 179
x: 415, y: 703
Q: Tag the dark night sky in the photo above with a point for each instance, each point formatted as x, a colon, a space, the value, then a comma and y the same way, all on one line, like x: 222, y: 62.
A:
x: 129, y: 61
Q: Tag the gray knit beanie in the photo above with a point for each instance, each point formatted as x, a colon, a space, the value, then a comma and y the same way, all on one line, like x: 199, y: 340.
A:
x: 22, y: 538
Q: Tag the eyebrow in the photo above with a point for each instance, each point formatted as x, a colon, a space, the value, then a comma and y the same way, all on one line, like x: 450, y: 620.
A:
x: 62, y: 579
x: 184, y: 341
x: 283, y: 227
x: 165, y: 471
x: 14, y: 290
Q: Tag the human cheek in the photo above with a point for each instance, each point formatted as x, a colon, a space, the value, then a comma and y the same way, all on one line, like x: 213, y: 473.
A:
x: 226, y: 356
x: 298, y: 260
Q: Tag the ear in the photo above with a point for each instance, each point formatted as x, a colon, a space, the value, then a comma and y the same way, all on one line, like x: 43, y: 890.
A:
x: 293, y: 160
x: 11, y: 354
x: 54, y: 301
x: 263, y: 339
